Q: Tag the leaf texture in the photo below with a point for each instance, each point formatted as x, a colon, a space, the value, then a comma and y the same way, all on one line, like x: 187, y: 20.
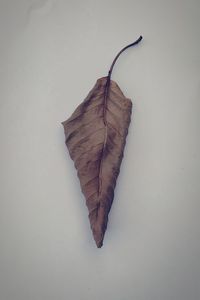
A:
x: 95, y: 136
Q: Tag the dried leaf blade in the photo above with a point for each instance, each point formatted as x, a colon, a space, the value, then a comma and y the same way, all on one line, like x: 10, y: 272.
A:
x: 95, y: 137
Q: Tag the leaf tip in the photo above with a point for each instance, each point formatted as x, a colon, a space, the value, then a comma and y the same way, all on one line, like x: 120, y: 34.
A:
x: 99, y: 243
x: 98, y: 234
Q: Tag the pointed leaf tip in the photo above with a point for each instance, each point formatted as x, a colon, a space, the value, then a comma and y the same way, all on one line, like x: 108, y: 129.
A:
x: 99, y: 244
x: 98, y: 234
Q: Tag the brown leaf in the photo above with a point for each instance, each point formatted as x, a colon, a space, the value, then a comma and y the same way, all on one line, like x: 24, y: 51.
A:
x: 95, y: 137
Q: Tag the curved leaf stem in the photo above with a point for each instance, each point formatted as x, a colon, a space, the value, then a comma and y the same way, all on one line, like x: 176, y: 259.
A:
x: 120, y: 52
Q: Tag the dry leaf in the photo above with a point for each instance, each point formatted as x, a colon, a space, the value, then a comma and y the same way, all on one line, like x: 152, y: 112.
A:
x: 95, y: 137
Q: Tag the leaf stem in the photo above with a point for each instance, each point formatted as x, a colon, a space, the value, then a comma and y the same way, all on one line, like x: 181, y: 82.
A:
x: 120, y: 52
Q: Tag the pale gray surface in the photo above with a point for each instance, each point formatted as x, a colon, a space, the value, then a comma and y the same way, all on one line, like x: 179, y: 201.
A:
x: 51, y: 53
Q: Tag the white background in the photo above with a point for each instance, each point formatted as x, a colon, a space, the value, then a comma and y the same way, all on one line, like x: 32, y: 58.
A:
x: 51, y: 54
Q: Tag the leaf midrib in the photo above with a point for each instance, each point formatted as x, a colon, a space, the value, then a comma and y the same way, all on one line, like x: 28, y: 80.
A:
x: 106, y: 92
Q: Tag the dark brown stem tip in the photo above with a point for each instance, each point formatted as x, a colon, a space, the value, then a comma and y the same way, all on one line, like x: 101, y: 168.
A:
x: 132, y: 44
x: 140, y: 38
